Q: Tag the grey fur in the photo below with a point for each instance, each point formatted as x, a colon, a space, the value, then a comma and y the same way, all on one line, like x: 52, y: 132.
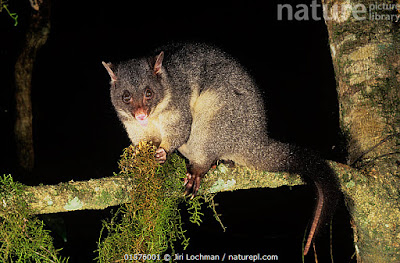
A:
x: 208, y: 107
x: 234, y: 126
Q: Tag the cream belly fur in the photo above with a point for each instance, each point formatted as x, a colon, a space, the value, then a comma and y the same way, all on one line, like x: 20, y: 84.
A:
x: 203, y: 109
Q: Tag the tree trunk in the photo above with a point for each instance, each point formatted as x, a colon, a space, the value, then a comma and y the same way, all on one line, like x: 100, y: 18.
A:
x: 364, y: 41
x: 36, y: 37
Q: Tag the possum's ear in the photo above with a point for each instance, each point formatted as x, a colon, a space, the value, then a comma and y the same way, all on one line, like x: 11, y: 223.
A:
x: 158, y: 64
x: 108, y: 67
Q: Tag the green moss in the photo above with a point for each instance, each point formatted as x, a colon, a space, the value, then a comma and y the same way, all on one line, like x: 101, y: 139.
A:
x: 105, y: 197
x: 22, y: 236
x: 4, y: 6
x: 151, y: 222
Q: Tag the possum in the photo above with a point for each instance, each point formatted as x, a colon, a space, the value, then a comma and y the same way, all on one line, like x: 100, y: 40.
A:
x: 198, y: 100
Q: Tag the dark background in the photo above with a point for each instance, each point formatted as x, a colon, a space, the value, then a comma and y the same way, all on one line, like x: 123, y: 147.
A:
x: 78, y: 136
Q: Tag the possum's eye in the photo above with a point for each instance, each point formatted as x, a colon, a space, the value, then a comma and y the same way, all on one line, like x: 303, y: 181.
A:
x: 148, y: 93
x: 126, y: 96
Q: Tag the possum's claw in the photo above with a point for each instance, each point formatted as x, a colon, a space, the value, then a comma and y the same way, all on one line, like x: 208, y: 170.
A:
x: 192, y: 184
x: 161, y: 155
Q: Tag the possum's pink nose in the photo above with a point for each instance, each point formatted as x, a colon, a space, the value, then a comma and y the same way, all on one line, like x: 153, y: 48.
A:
x: 142, y: 119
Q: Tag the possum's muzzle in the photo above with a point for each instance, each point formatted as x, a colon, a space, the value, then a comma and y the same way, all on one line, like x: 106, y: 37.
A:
x: 141, y: 116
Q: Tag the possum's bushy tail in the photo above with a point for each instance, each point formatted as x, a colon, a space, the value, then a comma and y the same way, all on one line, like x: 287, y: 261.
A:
x: 315, y: 171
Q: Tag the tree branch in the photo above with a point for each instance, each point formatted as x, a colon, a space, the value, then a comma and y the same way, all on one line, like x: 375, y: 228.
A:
x: 101, y: 193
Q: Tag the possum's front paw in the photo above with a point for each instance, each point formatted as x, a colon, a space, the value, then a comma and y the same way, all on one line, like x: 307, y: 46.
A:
x: 161, y: 155
x: 192, y: 183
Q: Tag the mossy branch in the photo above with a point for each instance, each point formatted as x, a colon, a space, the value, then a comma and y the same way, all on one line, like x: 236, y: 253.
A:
x: 101, y: 193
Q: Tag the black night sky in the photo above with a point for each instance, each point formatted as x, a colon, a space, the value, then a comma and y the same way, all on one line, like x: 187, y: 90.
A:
x: 78, y: 136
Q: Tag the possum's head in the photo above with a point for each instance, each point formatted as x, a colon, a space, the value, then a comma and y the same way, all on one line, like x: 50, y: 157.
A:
x: 136, y: 88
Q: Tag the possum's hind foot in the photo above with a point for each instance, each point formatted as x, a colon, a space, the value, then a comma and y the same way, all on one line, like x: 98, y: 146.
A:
x: 192, y: 184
